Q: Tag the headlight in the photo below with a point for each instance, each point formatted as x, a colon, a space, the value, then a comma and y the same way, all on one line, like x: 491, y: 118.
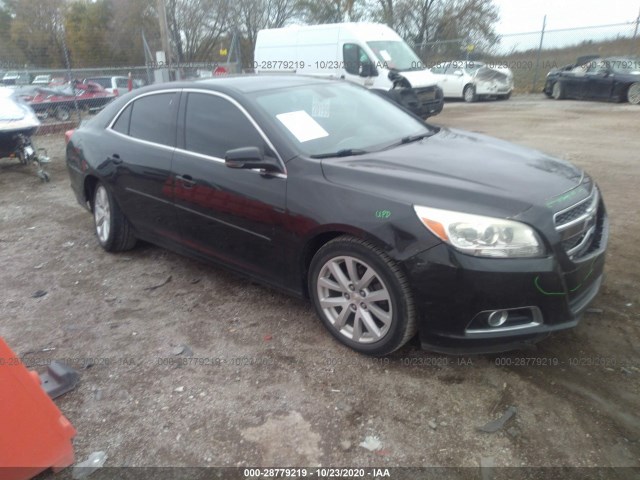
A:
x: 482, y: 236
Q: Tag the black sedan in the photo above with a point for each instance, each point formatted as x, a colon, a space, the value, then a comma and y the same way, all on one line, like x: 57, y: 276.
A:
x: 615, y: 79
x: 326, y: 190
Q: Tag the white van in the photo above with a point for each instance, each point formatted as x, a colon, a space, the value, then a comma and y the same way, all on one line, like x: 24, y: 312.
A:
x: 370, y: 54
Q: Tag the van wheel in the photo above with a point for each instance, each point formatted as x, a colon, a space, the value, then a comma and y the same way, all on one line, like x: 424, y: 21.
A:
x: 362, y: 296
x: 469, y: 94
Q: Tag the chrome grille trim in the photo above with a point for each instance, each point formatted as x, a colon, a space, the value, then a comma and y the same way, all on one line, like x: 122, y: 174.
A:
x: 581, y: 224
x: 590, y: 204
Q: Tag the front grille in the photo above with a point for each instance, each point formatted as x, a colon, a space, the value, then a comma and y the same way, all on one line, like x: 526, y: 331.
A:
x: 580, y: 226
x: 426, y: 94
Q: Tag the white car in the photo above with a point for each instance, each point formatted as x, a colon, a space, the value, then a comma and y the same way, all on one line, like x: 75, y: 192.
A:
x: 471, y: 80
x: 42, y: 80
x: 115, y: 85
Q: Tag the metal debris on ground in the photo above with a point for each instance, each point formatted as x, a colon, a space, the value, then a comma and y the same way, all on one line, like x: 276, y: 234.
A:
x: 182, y: 350
x: 39, y: 293
x: 154, y: 287
x: 94, y: 462
x: 497, y: 424
x: 59, y: 379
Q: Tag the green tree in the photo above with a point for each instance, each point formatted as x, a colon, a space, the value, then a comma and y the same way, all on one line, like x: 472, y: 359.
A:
x: 129, y: 19
x: 87, y: 34
x: 37, y: 29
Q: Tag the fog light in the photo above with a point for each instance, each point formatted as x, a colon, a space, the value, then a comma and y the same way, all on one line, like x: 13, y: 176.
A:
x: 498, y: 318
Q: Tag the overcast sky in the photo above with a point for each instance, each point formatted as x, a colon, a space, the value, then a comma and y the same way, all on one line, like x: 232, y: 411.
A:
x: 526, y: 15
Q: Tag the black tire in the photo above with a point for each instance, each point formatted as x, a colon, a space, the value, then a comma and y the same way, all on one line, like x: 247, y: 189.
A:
x: 504, y: 97
x: 469, y: 94
x: 120, y: 236
x: 557, y: 91
x: 63, y: 114
x: 633, y: 94
x: 403, y: 322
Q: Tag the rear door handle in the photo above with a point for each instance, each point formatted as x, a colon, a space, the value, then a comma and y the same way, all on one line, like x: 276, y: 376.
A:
x: 187, y: 180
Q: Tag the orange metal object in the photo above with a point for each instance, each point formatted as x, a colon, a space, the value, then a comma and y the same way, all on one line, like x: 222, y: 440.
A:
x: 34, y: 435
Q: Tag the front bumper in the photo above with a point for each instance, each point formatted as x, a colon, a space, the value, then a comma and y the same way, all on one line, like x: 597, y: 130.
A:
x: 455, y: 294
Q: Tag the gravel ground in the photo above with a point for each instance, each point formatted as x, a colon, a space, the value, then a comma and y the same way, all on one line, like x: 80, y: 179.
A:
x: 194, y: 366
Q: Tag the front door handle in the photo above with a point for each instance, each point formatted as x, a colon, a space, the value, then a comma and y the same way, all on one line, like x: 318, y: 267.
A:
x: 187, y: 180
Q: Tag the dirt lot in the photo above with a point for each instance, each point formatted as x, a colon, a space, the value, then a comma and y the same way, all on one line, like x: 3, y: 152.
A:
x: 260, y: 381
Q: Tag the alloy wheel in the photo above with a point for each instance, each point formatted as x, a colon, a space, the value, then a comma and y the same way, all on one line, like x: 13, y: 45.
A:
x: 354, y: 299
x: 102, y: 214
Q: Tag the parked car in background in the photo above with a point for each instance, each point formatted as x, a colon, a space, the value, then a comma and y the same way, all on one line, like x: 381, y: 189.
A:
x: 115, y: 85
x: 328, y: 191
x: 16, y: 78
x: 42, y: 80
x: 62, y: 100
x: 368, y: 54
x: 614, y: 79
x: 471, y: 80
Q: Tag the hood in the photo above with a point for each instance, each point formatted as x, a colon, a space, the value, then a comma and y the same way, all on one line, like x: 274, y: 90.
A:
x: 461, y: 171
x: 419, y: 78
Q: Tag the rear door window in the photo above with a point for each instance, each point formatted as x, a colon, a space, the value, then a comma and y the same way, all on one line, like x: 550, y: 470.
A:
x: 153, y: 118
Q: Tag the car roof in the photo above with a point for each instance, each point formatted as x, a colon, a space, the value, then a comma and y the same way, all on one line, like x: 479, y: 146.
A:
x: 246, y: 83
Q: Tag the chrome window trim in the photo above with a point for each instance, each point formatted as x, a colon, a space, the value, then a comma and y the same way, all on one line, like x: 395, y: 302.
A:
x: 234, y: 102
x: 196, y: 154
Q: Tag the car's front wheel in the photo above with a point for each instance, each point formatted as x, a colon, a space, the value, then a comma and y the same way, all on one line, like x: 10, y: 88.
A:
x: 469, y: 94
x: 362, y: 296
x: 558, y: 91
x: 633, y: 94
x: 113, y: 230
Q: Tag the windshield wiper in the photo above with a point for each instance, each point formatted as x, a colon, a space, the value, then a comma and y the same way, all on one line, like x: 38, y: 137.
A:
x: 345, y: 152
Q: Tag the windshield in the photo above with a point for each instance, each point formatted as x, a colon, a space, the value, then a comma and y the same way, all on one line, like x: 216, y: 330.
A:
x: 325, y: 118
x: 624, y: 65
x: 396, y: 55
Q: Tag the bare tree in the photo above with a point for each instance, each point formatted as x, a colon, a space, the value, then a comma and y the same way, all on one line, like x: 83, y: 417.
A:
x: 251, y: 16
x: 196, y: 27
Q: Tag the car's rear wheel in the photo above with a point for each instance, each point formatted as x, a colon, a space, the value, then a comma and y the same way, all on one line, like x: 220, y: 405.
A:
x: 633, y: 94
x: 362, y: 296
x: 504, y: 97
x: 113, y: 230
x: 558, y: 91
x: 469, y: 94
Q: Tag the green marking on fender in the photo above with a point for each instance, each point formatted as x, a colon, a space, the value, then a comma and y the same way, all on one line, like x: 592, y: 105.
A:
x: 383, y: 214
x: 544, y: 292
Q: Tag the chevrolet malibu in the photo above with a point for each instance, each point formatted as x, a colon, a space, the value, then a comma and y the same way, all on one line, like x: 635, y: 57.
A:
x: 390, y: 226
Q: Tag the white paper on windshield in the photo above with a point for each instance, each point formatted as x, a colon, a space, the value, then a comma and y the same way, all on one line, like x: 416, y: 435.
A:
x: 302, y: 125
x: 384, y: 54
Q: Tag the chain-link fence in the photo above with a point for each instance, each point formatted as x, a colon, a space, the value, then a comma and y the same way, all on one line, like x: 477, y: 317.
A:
x: 64, y: 80
x: 530, y: 55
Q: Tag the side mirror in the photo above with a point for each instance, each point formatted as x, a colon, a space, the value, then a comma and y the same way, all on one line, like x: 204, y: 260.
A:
x: 250, y: 158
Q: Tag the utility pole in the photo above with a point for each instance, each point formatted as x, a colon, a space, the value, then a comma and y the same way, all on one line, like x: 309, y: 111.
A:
x: 164, y: 29
x: 635, y: 33
x: 535, y: 76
